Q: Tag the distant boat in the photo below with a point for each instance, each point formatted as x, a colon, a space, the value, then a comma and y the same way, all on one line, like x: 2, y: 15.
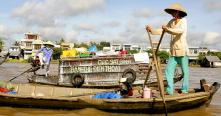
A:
x: 99, y: 72
x: 211, y: 61
x: 41, y: 96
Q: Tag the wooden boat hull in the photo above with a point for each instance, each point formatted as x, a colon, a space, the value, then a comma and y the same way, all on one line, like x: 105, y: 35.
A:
x: 153, y: 106
x: 53, y: 80
x: 136, y: 105
x: 78, y: 98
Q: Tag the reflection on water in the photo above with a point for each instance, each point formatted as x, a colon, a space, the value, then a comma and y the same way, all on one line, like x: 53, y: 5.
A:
x: 10, y: 70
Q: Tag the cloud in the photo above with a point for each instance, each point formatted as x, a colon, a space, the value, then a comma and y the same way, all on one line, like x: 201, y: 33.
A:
x: 194, y: 39
x: 71, y: 36
x: 6, y: 35
x: 51, y: 33
x: 142, y: 13
x: 212, y: 5
x: 211, y: 38
x: 133, y: 33
x: 87, y: 27
x: 46, y: 12
x: 112, y: 24
x: 52, y: 19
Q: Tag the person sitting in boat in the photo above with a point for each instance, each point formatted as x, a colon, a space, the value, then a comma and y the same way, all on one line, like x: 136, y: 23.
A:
x: 125, y: 88
x: 177, y: 27
x: 47, y: 52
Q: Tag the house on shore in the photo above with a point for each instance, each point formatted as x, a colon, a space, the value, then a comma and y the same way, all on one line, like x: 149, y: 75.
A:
x: 66, y: 46
x: 194, y: 53
x: 26, y: 43
x: 37, y: 45
x: 128, y: 47
x: 115, y: 47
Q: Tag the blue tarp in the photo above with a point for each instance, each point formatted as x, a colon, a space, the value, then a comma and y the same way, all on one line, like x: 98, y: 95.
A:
x: 93, y: 48
x: 107, y: 95
x: 12, y: 92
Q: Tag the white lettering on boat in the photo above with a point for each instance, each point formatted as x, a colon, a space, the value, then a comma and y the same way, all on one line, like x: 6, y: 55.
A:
x: 101, y: 68
x: 104, y: 65
x: 113, y: 62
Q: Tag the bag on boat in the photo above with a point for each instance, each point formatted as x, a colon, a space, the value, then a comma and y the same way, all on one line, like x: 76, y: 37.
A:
x: 8, y: 86
x: 3, y: 90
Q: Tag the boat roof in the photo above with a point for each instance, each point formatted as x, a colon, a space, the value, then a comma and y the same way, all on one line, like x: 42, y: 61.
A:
x: 213, y: 59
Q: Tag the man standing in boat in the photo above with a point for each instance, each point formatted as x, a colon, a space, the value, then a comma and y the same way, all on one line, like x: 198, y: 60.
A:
x: 177, y: 27
x: 47, y: 52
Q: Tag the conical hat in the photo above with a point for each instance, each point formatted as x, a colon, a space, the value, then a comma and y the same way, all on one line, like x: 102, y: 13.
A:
x: 176, y: 7
x: 48, y: 43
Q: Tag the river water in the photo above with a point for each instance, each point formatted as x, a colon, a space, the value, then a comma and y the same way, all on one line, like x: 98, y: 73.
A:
x: 10, y: 70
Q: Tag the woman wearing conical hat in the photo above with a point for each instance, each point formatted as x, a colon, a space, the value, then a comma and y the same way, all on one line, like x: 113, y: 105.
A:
x: 177, y: 27
x: 47, y: 54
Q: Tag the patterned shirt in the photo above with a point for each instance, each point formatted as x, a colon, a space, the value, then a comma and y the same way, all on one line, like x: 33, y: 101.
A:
x: 47, y: 53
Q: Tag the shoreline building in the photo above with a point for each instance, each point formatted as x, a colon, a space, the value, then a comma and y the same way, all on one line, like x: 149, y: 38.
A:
x: 27, y: 43
x: 128, y: 47
x: 37, y: 45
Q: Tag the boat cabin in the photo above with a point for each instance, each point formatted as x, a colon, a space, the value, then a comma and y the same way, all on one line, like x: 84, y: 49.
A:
x: 101, y: 70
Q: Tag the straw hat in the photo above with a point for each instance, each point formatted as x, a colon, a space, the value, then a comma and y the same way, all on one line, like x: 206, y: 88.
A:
x: 122, y: 80
x: 176, y: 7
x: 48, y: 43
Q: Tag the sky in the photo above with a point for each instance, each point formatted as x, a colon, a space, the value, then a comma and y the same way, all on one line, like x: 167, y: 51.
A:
x: 116, y: 21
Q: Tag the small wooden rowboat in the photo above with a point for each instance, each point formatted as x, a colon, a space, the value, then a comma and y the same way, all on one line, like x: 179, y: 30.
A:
x: 41, y: 96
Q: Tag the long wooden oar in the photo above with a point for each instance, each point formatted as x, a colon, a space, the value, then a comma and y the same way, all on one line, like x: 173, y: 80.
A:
x: 150, y: 67
x: 19, y: 75
x: 32, y: 69
x: 158, y: 69
x: 161, y: 38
